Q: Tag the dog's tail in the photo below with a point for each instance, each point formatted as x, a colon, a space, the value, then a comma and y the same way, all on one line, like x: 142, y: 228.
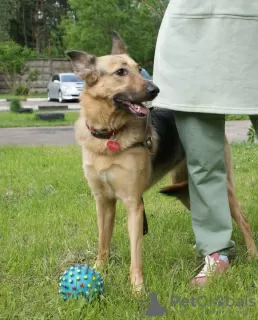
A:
x: 178, y: 190
x: 175, y: 189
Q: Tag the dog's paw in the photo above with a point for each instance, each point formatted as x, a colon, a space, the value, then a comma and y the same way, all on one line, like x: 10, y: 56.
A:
x: 252, y: 255
x: 137, y: 290
x: 99, y: 264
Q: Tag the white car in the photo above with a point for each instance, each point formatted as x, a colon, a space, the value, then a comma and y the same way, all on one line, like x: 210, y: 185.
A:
x: 64, y: 86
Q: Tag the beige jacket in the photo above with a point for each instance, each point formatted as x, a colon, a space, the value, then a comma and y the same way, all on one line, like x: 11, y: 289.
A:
x: 206, y: 57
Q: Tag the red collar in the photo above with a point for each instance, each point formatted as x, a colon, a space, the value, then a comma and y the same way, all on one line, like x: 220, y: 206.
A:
x: 103, y: 134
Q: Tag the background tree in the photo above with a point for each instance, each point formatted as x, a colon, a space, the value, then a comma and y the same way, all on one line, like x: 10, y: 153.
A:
x: 90, y: 29
x: 8, y: 10
x: 158, y: 7
x: 12, y: 59
x: 52, y: 26
x: 33, y: 22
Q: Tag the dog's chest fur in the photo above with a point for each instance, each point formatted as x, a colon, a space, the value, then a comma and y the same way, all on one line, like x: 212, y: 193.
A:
x: 114, y: 177
x: 133, y: 170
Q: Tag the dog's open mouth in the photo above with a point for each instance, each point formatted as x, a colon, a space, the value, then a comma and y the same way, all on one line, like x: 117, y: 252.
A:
x: 137, y: 109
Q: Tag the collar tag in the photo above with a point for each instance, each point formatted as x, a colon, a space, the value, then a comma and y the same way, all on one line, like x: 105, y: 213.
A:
x: 113, y: 145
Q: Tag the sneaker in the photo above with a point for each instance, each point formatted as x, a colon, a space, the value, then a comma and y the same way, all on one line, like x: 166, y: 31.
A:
x: 214, y: 264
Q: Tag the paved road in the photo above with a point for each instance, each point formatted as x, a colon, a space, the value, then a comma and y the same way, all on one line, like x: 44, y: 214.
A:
x: 236, y: 131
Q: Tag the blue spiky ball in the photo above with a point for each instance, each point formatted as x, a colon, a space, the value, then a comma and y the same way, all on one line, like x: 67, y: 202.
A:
x: 81, y: 280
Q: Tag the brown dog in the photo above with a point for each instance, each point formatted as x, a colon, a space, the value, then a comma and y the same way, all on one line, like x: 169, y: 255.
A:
x: 126, y: 148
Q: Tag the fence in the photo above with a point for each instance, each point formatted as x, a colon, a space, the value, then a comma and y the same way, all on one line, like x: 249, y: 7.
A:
x: 46, y: 68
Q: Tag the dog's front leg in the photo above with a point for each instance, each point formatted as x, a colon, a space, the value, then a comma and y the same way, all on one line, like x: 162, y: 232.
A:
x: 105, y: 216
x: 135, y: 221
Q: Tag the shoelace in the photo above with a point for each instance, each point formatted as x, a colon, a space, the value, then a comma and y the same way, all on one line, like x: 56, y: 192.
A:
x: 209, y: 266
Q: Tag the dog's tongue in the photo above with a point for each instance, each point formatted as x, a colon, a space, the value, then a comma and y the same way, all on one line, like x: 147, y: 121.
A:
x: 141, y: 109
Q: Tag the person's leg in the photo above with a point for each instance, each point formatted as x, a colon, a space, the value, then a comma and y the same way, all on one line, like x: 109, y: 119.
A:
x: 203, y: 137
x: 254, y: 120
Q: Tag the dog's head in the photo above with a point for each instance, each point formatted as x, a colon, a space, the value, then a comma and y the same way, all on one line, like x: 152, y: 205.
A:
x: 115, y: 79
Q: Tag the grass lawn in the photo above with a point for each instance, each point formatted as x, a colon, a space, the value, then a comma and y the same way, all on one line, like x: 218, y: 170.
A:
x: 48, y: 222
x: 31, y: 95
x: 236, y: 117
x: 9, y: 119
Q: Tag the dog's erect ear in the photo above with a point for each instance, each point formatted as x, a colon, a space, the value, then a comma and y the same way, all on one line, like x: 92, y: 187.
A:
x: 118, y: 46
x: 83, y: 65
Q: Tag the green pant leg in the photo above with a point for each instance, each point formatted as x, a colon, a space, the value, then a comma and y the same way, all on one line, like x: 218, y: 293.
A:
x: 202, y: 136
x: 254, y: 119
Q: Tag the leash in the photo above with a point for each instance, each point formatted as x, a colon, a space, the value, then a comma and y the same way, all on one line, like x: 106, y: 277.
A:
x: 145, y: 222
x: 148, y: 131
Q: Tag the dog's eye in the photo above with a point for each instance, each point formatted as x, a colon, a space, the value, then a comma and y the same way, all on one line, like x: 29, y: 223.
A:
x: 121, y: 72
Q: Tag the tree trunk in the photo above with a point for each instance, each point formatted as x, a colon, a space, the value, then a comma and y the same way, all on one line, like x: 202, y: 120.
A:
x: 43, y: 9
x: 24, y: 27
x: 36, y: 26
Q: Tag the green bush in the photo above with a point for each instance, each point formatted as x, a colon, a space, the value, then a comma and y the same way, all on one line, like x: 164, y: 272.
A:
x: 21, y: 90
x: 251, y: 134
x: 33, y: 75
x: 15, y: 105
x: 12, y: 61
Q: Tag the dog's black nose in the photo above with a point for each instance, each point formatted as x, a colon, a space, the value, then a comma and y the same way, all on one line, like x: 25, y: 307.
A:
x: 152, y: 89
